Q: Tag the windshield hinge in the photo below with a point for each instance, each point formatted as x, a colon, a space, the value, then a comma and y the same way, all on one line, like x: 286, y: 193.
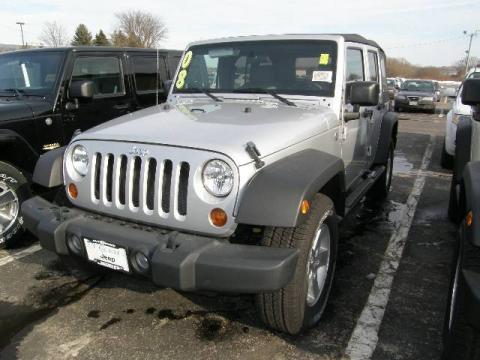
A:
x: 254, y: 154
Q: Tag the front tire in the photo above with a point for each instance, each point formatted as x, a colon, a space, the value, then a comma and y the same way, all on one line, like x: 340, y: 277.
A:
x: 301, y: 303
x: 14, y: 190
x: 461, y: 340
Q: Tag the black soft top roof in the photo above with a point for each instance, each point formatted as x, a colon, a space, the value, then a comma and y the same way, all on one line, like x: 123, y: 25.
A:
x: 96, y: 48
x: 360, y: 39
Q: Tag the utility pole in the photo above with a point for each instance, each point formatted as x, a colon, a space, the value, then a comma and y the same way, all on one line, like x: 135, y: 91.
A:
x: 471, y: 35
x: 21, y: 30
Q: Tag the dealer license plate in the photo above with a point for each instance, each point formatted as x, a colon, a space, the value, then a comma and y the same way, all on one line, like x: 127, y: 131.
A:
x: 413, y: 103
x: 106, y: 254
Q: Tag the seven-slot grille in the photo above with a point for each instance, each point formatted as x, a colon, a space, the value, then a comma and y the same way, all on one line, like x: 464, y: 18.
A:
x: 134, y: 182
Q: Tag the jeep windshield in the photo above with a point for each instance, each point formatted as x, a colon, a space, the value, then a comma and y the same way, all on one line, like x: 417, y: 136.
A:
x: 294, y: 67
x: 29, y: 73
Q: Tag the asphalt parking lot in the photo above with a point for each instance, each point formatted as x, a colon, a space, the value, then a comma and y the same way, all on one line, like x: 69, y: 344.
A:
x: 387, y: 302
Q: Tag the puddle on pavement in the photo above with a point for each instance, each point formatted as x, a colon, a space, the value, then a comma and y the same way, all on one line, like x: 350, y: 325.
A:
x: 41, y: 301
x: 369, y: 219
x: 400, y: 163
x: 110, y: 322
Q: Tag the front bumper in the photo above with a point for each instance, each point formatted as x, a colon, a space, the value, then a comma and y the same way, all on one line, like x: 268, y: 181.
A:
x: 422, y: 105
x: 177, y: 260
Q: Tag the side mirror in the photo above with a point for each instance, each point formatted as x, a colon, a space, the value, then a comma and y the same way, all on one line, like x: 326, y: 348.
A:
x: 363, y: 93
x: 167, y: 84
x: 81, y: 89
x: 471, y: 92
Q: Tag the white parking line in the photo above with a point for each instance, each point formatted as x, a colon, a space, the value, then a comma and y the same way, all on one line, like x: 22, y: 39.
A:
x: 364, y: 338
x: 20, y: 254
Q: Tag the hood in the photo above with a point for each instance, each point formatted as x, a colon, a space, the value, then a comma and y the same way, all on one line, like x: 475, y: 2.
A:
x: 14, y: 109
x: 416, y: 93
x: 221, y: 127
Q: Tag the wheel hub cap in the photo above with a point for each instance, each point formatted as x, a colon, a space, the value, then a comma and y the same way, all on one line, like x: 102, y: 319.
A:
x: 317, y: 265
x: 9, y: 207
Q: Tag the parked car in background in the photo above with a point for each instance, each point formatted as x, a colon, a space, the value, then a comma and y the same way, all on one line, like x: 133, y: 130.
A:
x: 234, y: 185
x: 456, y: 113
x: 47, y: 95
x: 392, y: 88
x: 462, y: 319
x: 449, y: 89
x: 416, y: 95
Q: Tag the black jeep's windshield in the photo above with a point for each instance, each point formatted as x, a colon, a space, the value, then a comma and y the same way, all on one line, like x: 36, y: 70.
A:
x: 29, y: 73
x: 424, y: 86
x: 296, y: 67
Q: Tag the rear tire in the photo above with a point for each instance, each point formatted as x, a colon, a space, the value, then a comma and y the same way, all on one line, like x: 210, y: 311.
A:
x: 301, y: 303
x: 381, y: 188
x: 14, y: 190
x: 447, y: 159
x: 456, y: 203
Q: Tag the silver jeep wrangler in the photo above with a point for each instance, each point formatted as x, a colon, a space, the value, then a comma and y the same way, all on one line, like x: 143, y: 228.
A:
x: 236, y: 184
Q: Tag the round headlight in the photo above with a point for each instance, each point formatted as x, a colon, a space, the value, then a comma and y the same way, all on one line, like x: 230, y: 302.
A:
x: 218, y: 178
x: 80, y: 160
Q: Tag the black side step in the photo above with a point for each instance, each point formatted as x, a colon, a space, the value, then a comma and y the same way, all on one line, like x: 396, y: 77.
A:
x: 361, y: 189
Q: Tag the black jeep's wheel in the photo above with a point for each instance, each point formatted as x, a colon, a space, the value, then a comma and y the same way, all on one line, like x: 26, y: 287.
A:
x: 14, y: 190
x: 381, y: 188
x: 397, y: 109
x: 300, y: 304
x: 456, y: 203
x: 460, y: 339
x: 447, y: 160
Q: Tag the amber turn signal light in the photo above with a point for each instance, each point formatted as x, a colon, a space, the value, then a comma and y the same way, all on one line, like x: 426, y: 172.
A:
x: 218, y: 217
x: 305, y: 207
x: 469, y: 219
x: 72, y: 191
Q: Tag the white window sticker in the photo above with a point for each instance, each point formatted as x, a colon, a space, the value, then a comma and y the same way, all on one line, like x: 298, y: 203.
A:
x: 325, y: 76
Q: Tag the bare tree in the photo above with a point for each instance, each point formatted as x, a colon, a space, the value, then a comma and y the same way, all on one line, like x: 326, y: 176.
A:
x: 138, y: 29
x: 53, y: 34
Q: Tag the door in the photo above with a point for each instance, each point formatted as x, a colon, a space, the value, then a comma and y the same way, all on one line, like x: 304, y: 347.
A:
x: 354, y: 145
x: 112, y: 94
x: 149, y: 76
x: 377, y: 73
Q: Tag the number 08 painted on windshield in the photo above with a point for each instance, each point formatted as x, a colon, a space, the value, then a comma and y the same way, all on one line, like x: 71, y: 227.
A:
x: 187, y: 59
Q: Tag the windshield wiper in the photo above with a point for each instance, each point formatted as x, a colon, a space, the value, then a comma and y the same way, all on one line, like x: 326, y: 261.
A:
x: 204, y: 91
x: 265, y: 91
x: 16, y: 92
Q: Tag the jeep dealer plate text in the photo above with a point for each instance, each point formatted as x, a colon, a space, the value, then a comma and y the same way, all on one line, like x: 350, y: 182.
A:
x: 106, y: 254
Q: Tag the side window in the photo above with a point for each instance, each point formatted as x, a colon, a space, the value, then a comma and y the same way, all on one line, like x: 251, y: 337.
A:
x: 383, y: 77
x: 355, y: 68
x: 105, y: 72
x: 372, y: 66
x: 145, y: 73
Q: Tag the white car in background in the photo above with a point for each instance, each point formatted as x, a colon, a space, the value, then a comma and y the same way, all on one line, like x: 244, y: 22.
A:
x: 454, y: 116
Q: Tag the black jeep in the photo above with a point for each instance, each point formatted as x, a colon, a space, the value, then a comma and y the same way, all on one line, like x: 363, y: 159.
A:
x: 47, y: 95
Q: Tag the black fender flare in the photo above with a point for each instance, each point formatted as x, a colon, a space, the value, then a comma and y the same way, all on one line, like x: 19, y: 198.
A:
x: 49, y: 168
x: 388, y: 130
x: 471, y: 180
x: 22, y: 154
x: 463, y: 146
x: 274, y: 195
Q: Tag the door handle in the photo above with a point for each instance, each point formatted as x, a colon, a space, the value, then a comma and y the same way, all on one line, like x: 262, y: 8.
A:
x: 121, y: 106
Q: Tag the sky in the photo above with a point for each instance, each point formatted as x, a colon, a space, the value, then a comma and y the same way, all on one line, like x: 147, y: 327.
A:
x: 425, y: 32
